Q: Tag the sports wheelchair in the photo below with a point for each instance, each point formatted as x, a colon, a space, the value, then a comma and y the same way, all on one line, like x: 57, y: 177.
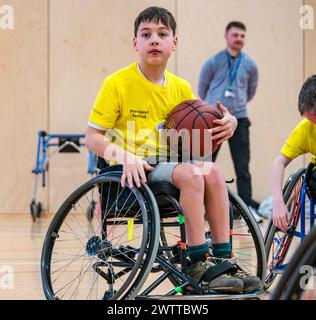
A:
x: 134, y: 247
x: 299, y: 195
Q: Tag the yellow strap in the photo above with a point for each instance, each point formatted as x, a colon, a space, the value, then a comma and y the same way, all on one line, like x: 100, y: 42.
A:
x: 130, y: 229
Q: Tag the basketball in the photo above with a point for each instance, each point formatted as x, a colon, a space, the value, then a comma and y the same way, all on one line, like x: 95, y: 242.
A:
x: 191, y: 119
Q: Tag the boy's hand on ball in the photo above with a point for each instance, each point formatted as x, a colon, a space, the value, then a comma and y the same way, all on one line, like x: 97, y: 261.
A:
x: 226, y: 126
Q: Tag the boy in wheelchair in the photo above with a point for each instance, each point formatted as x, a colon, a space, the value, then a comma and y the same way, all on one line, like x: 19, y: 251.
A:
x: 144, y: 93
x: 302, y: 140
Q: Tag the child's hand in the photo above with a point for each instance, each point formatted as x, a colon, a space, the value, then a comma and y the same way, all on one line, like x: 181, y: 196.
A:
x: 281, y: 216
x: 134, y: 170
x: 227, y: 125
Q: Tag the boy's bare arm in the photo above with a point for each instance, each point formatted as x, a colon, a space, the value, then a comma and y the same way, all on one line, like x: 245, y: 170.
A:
x: 95, y: 141
x: 133, y: 167
x: 102, y: 147
x: 280, y: 212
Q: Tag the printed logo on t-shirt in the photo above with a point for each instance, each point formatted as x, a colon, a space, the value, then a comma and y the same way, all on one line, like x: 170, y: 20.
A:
x: 99, y: 113
x: 136, y: 113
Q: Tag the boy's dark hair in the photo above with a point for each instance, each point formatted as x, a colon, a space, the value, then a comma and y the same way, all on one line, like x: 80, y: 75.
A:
x: 156, y: 14
x: 236, y: 24
x: 307, y: 96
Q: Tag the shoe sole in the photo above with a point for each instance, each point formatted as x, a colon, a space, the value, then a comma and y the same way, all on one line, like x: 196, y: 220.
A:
x: 250, y: 289
x: 227, y: 289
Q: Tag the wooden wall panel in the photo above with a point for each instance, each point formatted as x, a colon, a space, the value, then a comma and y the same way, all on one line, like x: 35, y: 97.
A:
x: 275, y: 41
x: 310, y: 44
x: 23, y: 101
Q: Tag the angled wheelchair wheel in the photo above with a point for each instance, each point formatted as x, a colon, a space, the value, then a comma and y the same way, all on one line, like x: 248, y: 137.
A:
x: 167, y: 279
x: 298, y: 280
x: 277, y: 242
x: 107, y: 255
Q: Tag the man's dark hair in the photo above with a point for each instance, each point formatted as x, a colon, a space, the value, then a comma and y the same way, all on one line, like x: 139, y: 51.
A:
x: 156, y: 14
x: 307, y: 96
x: 236, y: 24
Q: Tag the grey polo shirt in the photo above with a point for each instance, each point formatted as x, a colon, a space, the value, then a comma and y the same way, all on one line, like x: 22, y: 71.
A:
x: 215, y: 80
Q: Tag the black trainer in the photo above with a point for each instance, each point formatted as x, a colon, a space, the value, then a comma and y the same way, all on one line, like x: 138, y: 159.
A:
x: 215, y: 277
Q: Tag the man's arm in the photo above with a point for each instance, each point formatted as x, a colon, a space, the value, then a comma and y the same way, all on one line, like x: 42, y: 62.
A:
x: 206, y: 76
x: 280, y: 212
x: 252, y: 82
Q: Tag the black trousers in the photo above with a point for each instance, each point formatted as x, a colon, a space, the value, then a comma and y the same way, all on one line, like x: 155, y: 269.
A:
x: 240, y: 152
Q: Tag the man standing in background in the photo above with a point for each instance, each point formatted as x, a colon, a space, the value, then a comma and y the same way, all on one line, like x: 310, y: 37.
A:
x: 231, y: 77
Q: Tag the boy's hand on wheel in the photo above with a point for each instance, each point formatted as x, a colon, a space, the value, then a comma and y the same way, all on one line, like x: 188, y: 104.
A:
x: 281, y: 217
x: 134, y: 170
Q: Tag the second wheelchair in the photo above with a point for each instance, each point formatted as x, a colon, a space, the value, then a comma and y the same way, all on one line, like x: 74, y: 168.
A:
x: 299, y: 197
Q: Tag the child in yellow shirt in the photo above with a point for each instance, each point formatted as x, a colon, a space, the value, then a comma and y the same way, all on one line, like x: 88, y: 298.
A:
x: 134, y: 102
x: 302, y: 140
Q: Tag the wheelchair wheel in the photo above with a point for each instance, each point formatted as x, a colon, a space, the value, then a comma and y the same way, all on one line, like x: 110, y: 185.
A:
x: 277, y: 242
x: 247, y: 242
x: 108, y: 256
x: 300, y: 272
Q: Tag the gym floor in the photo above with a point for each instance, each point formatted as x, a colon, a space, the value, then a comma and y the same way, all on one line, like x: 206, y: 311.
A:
x: 21, y: 244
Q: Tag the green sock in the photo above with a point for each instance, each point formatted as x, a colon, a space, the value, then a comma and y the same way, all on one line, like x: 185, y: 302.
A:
x: 197, y: 253
x: 222, y: 250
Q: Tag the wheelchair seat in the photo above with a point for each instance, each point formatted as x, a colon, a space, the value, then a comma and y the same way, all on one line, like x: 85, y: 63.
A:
x: 161, y: 190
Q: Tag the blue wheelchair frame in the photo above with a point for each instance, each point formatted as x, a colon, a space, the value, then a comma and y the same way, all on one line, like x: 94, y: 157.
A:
x: 45, y: 141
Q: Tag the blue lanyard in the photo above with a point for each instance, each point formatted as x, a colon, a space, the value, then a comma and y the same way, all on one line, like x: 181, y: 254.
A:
x: 233, y: 73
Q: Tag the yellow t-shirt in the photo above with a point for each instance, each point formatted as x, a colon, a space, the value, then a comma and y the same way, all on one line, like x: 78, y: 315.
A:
x: 302, y: 140
x: 135, y: 108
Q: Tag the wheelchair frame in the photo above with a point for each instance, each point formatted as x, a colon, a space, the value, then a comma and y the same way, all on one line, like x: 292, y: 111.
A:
x: 152, y: 256
x: 65, y: 143
x: 282, y: 245
x: 290, y: 285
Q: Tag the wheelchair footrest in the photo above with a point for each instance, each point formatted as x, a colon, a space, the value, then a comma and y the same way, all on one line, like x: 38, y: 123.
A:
x: 255, y: 295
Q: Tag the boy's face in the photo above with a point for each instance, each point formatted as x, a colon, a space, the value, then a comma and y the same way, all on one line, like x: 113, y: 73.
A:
x: 154, y: 43
x: 310, y: 116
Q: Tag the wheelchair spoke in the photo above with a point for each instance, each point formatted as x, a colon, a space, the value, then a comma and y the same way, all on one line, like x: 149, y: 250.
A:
x: 66, y: 266
x: 73, y: 281
x: 75, y: 217
x: 244, y: 264
x: 67, y: 285
x: 74, y: 233
x: 80, y: 278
